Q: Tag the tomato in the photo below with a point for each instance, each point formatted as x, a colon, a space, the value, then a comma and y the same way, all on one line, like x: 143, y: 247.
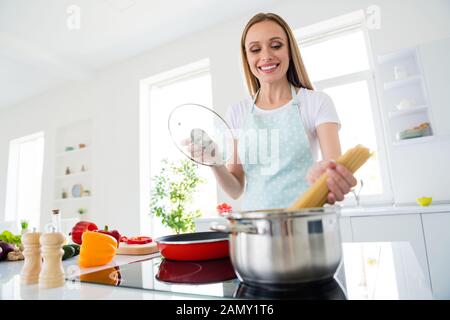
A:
x: 136, y: 240
x: 223, y: 208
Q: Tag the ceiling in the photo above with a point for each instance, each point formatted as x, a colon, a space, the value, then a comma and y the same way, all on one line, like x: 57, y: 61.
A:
x: 41, y: 47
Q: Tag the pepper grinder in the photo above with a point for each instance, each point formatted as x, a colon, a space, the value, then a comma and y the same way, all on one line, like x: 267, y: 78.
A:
x: 52, y: 273
x: 32, y: 253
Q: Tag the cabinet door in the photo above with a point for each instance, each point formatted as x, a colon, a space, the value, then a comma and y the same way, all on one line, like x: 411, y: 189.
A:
x: 437, y: 237
x: 434, y: 57
x: 406, y: 227
x: 346, y: 229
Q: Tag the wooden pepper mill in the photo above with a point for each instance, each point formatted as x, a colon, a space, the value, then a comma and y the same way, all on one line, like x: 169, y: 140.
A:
x: 32, y: 253
x: 52, y: 273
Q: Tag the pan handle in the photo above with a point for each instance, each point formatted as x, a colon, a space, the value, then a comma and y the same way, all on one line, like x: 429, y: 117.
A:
x: 246, y: 228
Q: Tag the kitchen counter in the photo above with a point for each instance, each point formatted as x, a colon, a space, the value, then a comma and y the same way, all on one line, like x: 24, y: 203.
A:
x: 11, y: 288
x: 203, y: 224
x: 395, y: 209
x: 385, y: 270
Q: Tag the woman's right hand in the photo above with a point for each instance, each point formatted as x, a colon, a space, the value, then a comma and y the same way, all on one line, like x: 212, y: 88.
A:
x: 340, y: 179
x: 201, y: 148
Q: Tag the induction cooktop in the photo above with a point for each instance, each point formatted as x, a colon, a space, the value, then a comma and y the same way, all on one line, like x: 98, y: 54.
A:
x: 213, y: 278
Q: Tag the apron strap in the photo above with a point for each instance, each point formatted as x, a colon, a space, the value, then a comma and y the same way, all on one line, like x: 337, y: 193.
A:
x: 254, y: 99
x: 295, y: 101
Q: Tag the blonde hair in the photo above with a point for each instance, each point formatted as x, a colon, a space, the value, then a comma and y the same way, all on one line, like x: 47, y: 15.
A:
x: 296, y: 73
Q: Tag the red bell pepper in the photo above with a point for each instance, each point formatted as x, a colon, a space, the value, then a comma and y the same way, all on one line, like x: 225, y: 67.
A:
x: 114, y: 233
x: 80, y: 228
x: 136, y: 240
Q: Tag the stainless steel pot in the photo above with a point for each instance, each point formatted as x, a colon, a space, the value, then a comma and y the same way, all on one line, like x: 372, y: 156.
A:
x: 275, y: 247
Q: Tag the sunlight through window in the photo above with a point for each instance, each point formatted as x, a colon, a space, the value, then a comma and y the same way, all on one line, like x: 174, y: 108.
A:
x: 338, y: 64
x: 23, y: 198
x: 164, y: 98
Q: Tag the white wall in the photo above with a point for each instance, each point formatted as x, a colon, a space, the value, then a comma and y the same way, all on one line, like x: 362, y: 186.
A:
x: 112, y: 100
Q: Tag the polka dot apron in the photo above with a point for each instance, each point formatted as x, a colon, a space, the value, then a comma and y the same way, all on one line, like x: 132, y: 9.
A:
x: 275, y: 153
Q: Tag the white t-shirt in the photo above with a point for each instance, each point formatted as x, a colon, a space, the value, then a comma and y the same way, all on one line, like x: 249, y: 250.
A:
x: 316, y: 108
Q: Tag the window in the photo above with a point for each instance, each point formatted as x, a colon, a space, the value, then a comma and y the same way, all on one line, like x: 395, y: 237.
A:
x: 23, y: 192
x: 338, y: 63
x: 191, y: 84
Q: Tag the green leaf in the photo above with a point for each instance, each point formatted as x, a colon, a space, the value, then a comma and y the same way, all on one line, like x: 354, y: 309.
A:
x: 11, y: 238
x: 172, y: 193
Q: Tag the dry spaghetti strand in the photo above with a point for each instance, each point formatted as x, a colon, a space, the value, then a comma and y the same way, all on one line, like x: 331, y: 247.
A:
x: 316, y: 195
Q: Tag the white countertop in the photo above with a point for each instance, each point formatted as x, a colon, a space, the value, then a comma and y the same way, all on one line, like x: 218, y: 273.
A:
x: 11, y: 287
x: 385, y: 270
x: 395, y: 209
x: 364, y: 211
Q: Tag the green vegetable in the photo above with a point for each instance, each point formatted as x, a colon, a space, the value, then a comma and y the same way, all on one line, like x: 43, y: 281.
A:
x: 69, y: 252
x: 10, y: 238
x: 76, y: 247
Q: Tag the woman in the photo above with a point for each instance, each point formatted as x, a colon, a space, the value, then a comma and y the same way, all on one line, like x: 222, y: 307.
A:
x: 297, y: 120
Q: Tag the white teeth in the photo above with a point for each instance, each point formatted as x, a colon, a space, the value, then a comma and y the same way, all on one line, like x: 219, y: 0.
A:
x: 268, y: 67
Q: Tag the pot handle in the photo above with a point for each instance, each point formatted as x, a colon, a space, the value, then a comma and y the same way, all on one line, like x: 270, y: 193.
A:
x: 246, y: 228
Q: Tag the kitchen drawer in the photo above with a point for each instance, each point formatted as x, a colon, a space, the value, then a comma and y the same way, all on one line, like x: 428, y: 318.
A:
x: 390, y: 228
x: 437, y: 238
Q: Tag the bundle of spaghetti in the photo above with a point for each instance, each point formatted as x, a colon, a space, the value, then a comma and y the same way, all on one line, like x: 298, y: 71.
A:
x: 316, y: 195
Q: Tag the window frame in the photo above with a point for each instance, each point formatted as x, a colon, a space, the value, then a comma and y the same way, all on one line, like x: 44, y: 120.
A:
x: 13, y: 172
x: 185, y: 72
x: 369, y: 76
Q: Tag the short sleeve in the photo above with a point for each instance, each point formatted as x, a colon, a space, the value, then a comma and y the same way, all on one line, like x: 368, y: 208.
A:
x: 235, y: 116
x: 326, y: 111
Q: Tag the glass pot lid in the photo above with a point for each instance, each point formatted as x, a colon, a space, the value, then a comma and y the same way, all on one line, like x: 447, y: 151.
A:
x: 201, y: 134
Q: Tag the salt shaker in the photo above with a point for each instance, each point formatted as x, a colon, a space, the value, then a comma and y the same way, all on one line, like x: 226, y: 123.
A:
x: 52, y: 273
x: 32, y: 253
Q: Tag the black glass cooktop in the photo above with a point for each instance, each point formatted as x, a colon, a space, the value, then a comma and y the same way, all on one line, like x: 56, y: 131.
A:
x: 214, y: 278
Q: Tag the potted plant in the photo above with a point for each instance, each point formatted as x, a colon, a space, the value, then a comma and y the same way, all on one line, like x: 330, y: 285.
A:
x: 172, y: 195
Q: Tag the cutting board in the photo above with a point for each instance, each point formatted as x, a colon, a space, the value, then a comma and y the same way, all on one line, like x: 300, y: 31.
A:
x: 137, y: 249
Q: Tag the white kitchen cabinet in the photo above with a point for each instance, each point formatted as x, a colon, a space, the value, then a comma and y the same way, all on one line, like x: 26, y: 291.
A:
x: 404, y: 95
x: 346, y: 229
x: 72, y: 192
x: 407, y: 227
x: 437, y: 238
x: 437, y: 76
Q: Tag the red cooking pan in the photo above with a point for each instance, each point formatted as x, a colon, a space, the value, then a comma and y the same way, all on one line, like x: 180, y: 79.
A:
x: 195, y: 272
x: 194, y: 246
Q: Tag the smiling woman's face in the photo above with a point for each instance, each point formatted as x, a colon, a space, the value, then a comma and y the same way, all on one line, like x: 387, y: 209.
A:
x: 266, y: 46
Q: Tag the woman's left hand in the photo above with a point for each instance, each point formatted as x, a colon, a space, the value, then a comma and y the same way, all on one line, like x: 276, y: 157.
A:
x: 340, y: 180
